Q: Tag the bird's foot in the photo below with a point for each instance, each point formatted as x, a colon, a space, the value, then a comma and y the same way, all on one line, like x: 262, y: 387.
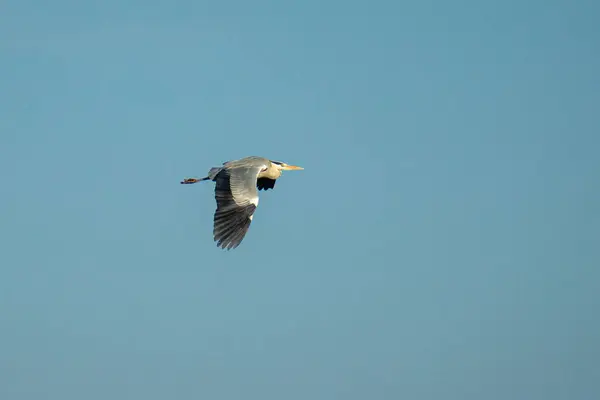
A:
x: 188, y: 181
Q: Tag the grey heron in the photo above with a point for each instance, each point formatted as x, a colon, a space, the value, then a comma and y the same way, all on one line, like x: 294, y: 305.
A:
x: 237, y: 195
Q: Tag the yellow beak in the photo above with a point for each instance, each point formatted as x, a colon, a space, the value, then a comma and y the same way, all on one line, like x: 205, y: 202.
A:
x: 291, y: 168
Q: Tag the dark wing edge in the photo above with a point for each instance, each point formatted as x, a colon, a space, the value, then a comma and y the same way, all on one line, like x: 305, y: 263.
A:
x: 231, y: 221
x: 265, y: 183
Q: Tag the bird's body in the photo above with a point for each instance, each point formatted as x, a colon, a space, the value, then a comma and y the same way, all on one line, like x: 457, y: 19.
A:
x: 236, y: 192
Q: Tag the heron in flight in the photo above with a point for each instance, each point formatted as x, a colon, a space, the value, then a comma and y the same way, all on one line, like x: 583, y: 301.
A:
x: 237, y: 195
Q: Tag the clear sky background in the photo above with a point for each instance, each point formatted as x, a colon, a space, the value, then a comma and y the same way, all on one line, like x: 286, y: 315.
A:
x: 442, y: 242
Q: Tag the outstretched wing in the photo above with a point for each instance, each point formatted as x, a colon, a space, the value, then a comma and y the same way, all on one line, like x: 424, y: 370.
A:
x: 237, y: 199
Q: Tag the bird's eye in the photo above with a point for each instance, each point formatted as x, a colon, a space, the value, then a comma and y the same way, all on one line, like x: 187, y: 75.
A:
x: 264, y: 169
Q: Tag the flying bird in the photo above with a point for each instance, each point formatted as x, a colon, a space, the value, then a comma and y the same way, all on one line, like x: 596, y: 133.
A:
x: 237, y: 195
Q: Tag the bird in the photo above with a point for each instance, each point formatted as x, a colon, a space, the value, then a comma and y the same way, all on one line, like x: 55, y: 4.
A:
x: 236, y: 184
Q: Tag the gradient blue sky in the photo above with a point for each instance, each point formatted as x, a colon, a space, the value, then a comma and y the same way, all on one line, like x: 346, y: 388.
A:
x: 442, y: 242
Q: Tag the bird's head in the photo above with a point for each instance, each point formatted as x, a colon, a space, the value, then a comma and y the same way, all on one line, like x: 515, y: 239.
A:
x: 281, y: 166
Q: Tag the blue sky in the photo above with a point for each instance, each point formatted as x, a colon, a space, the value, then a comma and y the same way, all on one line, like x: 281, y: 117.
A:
x: 442, y: 241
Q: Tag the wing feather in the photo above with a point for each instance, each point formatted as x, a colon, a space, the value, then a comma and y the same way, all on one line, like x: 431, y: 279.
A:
x: 237, y: 199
